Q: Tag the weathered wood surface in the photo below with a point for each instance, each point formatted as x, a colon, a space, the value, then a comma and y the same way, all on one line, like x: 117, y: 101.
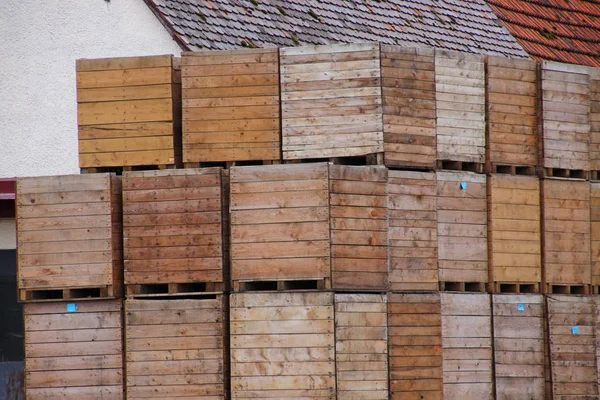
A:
x: 594, y: 146
x: 460, y: 106
x: 280, y: 222
x: 467, y: 346
x: 595, y: 232
x: 331, y: 101
x: 462, y: 227
x: 69, y: 233
x: 359, y: 223
x: 566, y: 115
x: 415, y: 346
x: 172, y: 226
x: 511, y: 111
x: 519, y: 346
x: 177, y: 348
x: 231, y: 105
x: 408, y: 89
x: 566, y: 232
x: 412, y: 235
x: 514, y: 229
x: 129, y: 111
x: 572, y: 326
x: 361, y: 346
x: 74, y: 350
x: 282, y: 345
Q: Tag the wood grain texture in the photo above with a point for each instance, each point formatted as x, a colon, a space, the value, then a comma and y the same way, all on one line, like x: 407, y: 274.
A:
x: 594, y: 146
x: 595, y: 231
x: 74, y: 355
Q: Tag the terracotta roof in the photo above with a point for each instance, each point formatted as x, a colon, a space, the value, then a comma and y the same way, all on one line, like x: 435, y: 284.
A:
x: 558, y: 30
x: 468, y: 26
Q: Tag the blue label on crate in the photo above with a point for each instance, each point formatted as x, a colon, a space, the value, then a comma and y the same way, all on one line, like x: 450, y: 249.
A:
x: 574, y: 330
x: 520, y: 307
x: 463, y: 186
x: 71, y: 307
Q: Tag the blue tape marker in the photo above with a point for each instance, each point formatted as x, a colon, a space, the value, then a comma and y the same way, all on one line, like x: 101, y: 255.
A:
x: 520, y: 307
x: 463, y: 186
x: 574, y: 330
x: 71, y: 307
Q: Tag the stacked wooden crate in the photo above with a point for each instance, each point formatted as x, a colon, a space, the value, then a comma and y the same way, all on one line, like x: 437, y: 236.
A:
x: 129, y: 111
x: 595, y: 235
x: 231, y: 105
x: 595, y: 123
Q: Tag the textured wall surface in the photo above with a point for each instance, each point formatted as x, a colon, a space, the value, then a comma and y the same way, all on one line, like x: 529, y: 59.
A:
x: 39, y: 46
x: 8, y: 234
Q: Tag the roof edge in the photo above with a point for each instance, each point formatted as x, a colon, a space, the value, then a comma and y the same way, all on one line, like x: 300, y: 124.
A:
x: 167, y: 25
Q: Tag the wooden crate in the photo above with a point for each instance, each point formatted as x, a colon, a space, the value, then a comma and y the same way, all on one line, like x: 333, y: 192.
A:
x: 408, y: 89
x: 74, y: 350
x: 566, y: 236
x: 282, y: 346
x: 415, y: 346
x: 331, y: 101
x: 519, y: 346
x: 462, y: 229
x: 512, y: 114
x: 69, y: 237
x: 514, y: 236
x: 572, y: 326
x: 172, y: 229
x: 129, y: 111
x: 467, y: 346
x: 412, y: 235
x: 231, y: 105
x: 460, y: 106
x: 566, y: 116
x: 595, y: 234
x: 177, y: 348
x: 280, y: 224
x: 358, y: 212
x: 361, y: 346
x: 595, y: 122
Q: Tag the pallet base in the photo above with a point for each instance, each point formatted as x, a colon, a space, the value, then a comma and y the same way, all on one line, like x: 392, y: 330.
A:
x: 512, y: 169
x: 282, y: 285
x: 119, y: 170
x: 229, y: 164
x: 174, y: 289
x: 460, y: 166
x: 476, y: 287
x: 88, y: 293
x: 369, y: 159
x: 594, y: 175
x: 568, y: 289
x: 565, y: 173
x: 515, y: 287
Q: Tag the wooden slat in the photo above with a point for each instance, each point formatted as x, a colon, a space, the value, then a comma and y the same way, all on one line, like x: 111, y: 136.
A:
x: 595, y: 232
x: 594, y: 145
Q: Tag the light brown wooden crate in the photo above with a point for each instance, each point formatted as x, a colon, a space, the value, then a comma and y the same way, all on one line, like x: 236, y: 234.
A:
x: 408, y: 90
x: 519, y: 346
x: 572, y: 327
x: 512, y: 111
x: 358, y: 212
x: 280, y: 222
x: 514, y: 236
x: 69, y: 237
x: 412, y: 234
x: 595, y: 120
x: 177, y: 348
x: 566, y: 232
x: 462, y: 227
x: 282, y: 345
x: 415, y: 345
x: 595, y: 231
x: 74, y: 350
x: 566, y: 115
x: 331, y: 101
x: 467, y: 346
x: 460, y: 106
x: 129, y: 111
x: 231, y: 105
x: 172, y: 226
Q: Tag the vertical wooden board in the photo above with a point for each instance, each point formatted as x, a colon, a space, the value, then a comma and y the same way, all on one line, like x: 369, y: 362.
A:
x: 415, y: 345
x: 331, y: 101
x: 467, y: 346
x: 231, y: 105
x: 460, y: 106
x: 595, y: 119
x: 595, y: 231
x: 512, y: 111
x: 129, y: 111
x: 282, y: 345
x: 412, y: 234
x: 361, y: 355
x: 519, y: 346
x: 408, y: 90
x: 514, y: 229
x: 69, y: 234
x: 173, y: 226
x: 359, y: 223
x: 566, y: 230
x: 280, y: 222
x: 566, y: 115
x: 572, y: 326
x: 462, y: 227
x: 73, y: 350
x: 176, y: 348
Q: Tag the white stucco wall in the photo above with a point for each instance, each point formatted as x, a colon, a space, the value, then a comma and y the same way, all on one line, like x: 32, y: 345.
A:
x: 8, y: 234
x: 39, y: 43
